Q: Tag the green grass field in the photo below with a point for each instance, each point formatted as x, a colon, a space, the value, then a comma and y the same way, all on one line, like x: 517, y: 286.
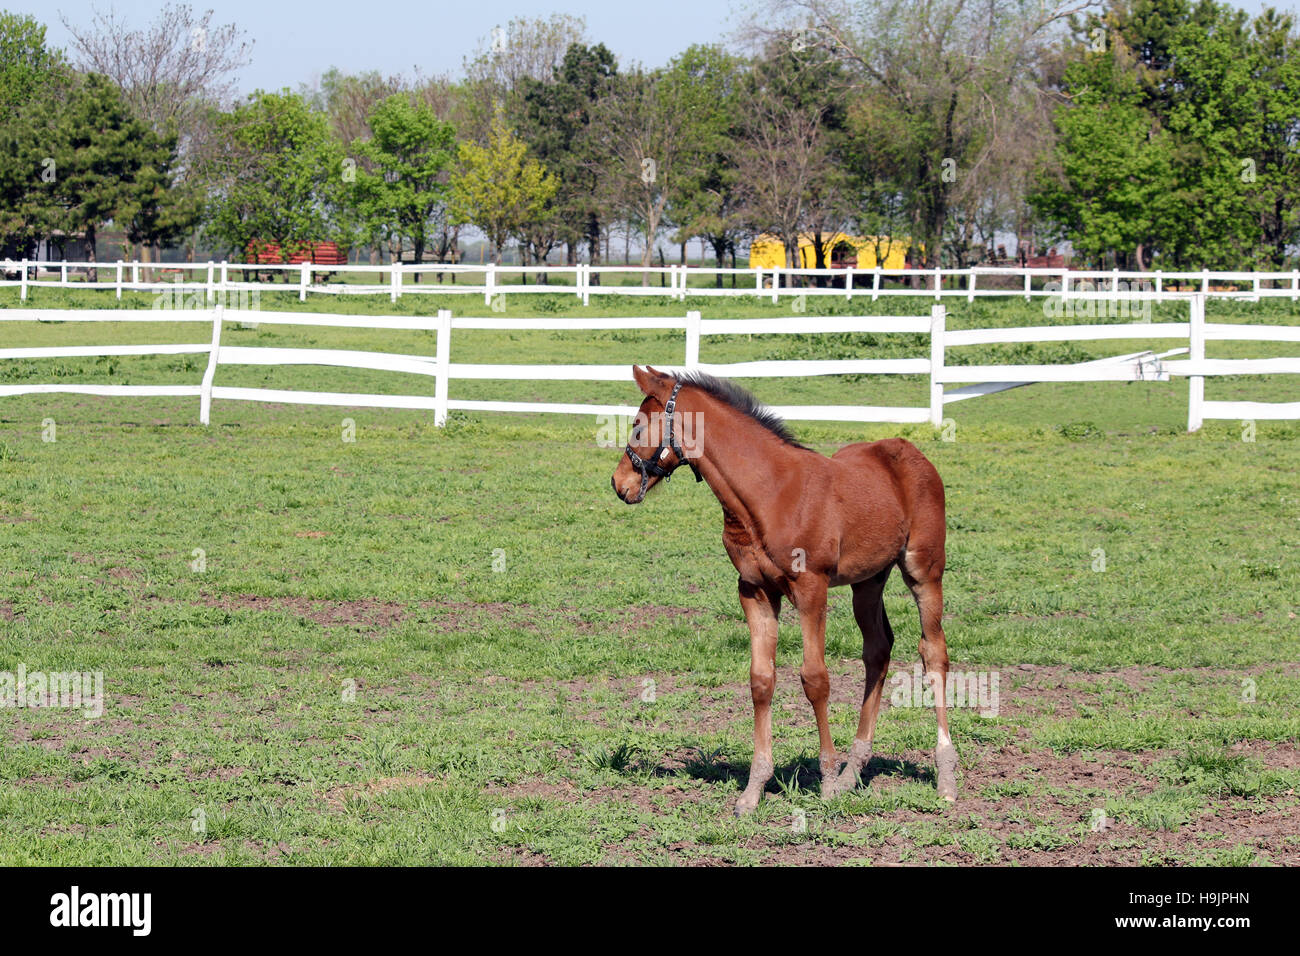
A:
x: 457, y: 646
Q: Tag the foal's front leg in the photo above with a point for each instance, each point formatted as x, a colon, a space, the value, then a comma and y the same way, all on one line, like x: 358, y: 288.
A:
x: 761, y: 609
x: 810, y: 597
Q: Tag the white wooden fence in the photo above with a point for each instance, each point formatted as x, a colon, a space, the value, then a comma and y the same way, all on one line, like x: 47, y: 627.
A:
x: 214, y: 278
x: 983, y: 379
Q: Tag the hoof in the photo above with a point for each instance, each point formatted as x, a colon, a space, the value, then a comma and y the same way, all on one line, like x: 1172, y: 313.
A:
x: 744, y: 806
x: 845, y: 781
x: 945, y: 765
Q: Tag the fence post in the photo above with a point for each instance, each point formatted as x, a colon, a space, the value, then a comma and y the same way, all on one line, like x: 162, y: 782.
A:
x: 758, y: 282
x: 205, y: 390
x: 1065, y: 287
x: 1196, y: 355
x: 1028, y: 284
x: 212, y: 292
x: 776, y: 286
x: 63, y: 272
x: 938, y: 281
x: 938, y: 319
x: 303, y: 280
x: 22, y: 293
x: 1295, y: 286
x: 875, y: 285
x: 135, y: 274
x: 586, y: 283
x: 1205, y: 282
x: 1160, y: 282
x: 393, y: 280
x: 442, y: 368
x: 692, y: 339
x: 224, y: 275
x: 848, y: 284
x: 970, y: 286
x: 117, y: 282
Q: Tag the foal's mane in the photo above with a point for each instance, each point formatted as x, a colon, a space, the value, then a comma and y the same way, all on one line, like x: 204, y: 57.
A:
x: 742, y: 401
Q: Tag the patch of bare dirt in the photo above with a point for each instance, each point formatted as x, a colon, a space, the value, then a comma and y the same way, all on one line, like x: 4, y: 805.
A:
x: 366, y: 614
x: 1018, y: 802
x: 337, y: 796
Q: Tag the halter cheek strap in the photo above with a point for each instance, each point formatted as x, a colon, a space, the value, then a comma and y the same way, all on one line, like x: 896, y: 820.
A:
x: 652, y: 467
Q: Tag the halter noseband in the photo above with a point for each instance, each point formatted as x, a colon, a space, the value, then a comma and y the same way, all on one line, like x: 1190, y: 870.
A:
x: 652, y: 467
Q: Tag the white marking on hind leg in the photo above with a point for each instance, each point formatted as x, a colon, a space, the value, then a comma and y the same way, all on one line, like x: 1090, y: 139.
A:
x: 944, y: 739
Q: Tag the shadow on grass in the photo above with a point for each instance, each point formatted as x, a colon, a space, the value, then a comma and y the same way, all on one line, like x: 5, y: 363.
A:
x: 803, y: 773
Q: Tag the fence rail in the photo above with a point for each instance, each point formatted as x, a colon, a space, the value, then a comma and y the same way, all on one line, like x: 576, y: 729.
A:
x: 220, y: 279
x: 981, y: 379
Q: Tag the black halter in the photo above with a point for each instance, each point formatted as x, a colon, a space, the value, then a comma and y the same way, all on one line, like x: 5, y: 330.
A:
x: 652, y: 467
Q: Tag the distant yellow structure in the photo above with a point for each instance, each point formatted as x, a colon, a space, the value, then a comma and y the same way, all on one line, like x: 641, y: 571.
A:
x: 844, y: 251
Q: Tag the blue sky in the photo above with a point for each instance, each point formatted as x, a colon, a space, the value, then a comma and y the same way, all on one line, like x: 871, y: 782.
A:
x: 292, y: 46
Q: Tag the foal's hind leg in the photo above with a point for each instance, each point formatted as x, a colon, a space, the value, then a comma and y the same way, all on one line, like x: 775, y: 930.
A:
x: 923, y: 572
x: 761, y: 609
x: 877, y: 642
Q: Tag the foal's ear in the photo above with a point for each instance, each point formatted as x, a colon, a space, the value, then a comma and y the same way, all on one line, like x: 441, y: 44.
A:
x: 652, y: 382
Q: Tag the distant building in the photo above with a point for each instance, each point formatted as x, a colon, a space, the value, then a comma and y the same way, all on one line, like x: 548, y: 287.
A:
x: 843, y: 252
x: 317, y: 253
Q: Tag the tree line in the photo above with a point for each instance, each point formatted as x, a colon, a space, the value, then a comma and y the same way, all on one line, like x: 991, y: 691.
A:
x: 1147, y: 133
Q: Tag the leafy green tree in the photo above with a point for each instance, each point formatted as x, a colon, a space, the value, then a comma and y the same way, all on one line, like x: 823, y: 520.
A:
x: 26, y: 63
x: 704, y: 197
x: 27, y: 71
x: 1180, y: 141
x: 278, y: 175
x: 102, y: 165
x: 556, y: 123
x: 402, y: 191
x: 1115, y: 164
x: 499, y: 188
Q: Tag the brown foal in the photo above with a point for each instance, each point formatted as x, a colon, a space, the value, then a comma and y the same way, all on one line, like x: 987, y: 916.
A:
x: 796, y: 523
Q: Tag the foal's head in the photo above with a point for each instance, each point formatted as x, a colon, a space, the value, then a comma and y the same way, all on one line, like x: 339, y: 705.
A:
x: 655, y: 447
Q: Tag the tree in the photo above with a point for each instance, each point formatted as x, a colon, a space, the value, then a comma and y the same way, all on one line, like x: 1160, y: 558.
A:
x: 403, y: 193
x: 349, y: 100
x: 527, y: 50
x: 171, y: 73
x: 499, y: 188
x: 103, y: 163
x: 642, y: 135
x: 167, y: 70
x: 28, y: 70
x: 26, y: 63
x: 949, y: 77
x: 1114, y: 166
x: 556, y: 124
x: 779, y: 154
x: 1179, y: 141
x: 704, y: 195
x: 811, y: 82
x: 278, y: 176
